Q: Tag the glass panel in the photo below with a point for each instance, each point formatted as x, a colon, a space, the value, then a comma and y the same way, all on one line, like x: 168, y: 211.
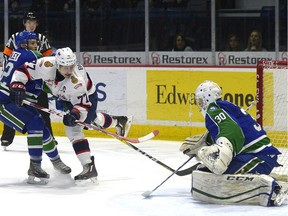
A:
x: 241, y: 17
x: 283, y: 27
x: 115, y: 25
x: 189, y: 18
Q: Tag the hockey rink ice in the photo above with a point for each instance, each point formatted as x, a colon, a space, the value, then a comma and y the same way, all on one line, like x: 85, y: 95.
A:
x: 124, y: 174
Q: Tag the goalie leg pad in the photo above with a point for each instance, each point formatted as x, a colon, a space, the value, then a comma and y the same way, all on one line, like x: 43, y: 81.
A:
x: 233, y: 189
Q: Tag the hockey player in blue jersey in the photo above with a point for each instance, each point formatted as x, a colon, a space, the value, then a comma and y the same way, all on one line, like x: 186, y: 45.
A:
x: 235, y: 152
x: 25, y: 118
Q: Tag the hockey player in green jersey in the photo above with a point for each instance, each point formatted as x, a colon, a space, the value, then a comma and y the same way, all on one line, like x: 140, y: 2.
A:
x: 235, y: 146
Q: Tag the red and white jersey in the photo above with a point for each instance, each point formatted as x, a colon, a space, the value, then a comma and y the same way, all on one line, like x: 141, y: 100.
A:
x: 74, y: 89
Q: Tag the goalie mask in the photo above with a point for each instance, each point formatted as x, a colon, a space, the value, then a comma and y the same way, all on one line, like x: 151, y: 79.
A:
x: 65, y: 57
x: 206, y: 93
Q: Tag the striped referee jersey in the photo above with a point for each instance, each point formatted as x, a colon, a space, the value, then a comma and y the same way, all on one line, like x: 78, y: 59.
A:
x: 43, y: 46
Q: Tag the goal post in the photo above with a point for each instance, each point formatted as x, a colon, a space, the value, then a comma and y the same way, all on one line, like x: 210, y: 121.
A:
x: 272, y: 108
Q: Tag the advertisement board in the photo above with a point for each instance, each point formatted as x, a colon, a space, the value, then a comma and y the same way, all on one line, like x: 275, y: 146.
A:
x: 171, y: 93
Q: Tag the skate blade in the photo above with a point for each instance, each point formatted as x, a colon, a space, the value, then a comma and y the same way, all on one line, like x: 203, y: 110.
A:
x: 90, y: 181
x: 128, y: 125
x: 37, y: 181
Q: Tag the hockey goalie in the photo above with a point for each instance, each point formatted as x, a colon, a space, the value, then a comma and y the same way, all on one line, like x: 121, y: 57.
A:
x: 236, y: 154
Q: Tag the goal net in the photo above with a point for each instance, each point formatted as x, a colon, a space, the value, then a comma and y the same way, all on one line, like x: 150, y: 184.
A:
x: 272, y: 108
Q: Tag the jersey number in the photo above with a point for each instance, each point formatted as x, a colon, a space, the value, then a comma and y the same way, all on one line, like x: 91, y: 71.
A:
x: 83, y: 99
x: 220, y: 117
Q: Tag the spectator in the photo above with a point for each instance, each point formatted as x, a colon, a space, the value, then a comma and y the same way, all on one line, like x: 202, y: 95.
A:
x: 255, y: 42
x: 15, y: 9
x: 69, y: 5
x: 180, y: 43
x: 92, y: 5
x: 44, y: 6
x: 233, y: 43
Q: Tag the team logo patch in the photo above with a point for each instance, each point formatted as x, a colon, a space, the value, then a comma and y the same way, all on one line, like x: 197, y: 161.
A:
x: 212, y: 108
x: 74, y: 80
x: 78, y: 85
x: 48, y: 64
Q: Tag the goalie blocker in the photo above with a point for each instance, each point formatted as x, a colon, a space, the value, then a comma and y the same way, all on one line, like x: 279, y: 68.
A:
x: 237, y: 189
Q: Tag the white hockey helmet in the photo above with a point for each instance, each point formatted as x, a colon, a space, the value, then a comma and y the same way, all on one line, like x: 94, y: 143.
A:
x: 206, y: 93
x: 65, y: 57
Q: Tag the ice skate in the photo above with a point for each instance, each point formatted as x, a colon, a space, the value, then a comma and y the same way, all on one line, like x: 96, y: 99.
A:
x: 36, y: 175
x: 123, y: 124
x: 281, y: 195
x: 5, y: 144
x: 89, y: 173
x: 60, y: 166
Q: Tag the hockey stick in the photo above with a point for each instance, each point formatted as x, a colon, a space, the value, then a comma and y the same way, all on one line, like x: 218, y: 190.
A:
x: 114, y: 135
x: 147, y: 194
x: 177, y: 172
x: 127, y: 141
x: 51, y: 111
x: 132, y: 140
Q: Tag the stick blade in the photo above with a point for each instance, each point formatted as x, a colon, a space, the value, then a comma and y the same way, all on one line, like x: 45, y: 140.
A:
x: 146, y: 194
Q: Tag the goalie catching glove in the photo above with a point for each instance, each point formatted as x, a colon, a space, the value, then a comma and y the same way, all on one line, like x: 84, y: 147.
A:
x: 192, y: 144
x: 218, y: 156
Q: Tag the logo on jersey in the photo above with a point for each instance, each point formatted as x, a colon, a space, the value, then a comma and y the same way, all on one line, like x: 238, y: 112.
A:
x: 63, y: 89
x: 78, y: 85
x: 212, y: 108
x: 74, y: 80
x: 14, y: 56
x: 48, y: 64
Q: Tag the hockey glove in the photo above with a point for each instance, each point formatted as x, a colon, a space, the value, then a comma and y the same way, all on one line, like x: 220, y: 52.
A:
x: 63, y: 105
x: 218, y: 156
x: 70, y: 118
x: 193, y: 143
x: 17, y: 93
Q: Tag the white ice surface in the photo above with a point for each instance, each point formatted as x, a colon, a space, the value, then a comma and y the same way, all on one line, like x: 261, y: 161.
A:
x: 124, y: 174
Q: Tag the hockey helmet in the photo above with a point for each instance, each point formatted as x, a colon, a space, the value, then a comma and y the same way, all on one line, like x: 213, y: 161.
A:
x: 206, y: 93
x: 23, y: 38
x: 30, y: 15
x: 65, y: 57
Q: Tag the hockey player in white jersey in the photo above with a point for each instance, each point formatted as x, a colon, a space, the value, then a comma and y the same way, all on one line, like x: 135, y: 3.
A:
x: 236, y: 153
x: 71, y: 84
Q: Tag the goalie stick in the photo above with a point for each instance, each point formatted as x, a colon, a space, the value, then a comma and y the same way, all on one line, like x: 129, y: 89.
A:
x: 125, y: 140
x: 147, y: 194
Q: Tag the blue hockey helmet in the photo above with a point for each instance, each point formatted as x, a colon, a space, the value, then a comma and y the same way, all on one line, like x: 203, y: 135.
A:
x: 23, y: 37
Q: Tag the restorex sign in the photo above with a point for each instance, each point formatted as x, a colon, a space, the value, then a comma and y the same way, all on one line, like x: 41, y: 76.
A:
x: 171, y: 94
